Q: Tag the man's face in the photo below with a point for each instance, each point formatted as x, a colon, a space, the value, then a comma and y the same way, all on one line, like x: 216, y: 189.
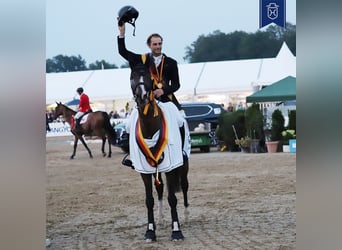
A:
x: 156, y: 46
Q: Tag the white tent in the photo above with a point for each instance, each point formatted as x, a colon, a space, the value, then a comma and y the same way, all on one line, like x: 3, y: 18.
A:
x: 226, y: 79
x: 275, y: 69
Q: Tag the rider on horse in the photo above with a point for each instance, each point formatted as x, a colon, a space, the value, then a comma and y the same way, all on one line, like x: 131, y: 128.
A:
x: 157, y: 140
x: 163, y: 69
x: 83, y: 107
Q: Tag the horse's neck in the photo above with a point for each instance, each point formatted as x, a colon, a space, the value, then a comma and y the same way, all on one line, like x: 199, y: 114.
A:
x: 68, y: 115
x: 149, y: 124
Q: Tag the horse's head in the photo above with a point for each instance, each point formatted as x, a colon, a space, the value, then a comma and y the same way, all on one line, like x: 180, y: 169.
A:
x: 142, y: 86
x: 58, y: 110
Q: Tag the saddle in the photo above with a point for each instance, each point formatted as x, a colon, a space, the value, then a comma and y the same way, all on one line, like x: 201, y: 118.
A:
x: 83, y: 117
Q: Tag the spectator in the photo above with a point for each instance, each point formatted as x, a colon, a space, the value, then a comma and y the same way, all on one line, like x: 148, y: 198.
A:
x: 116, y: 114
x: 240, y: 106
x: 48, y: 129
x: 230, y: 107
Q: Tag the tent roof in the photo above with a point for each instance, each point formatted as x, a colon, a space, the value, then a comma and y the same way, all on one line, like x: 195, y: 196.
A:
x: 283, y: 90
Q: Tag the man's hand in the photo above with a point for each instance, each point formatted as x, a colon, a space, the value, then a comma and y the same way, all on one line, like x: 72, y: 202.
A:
x: 122, y: 29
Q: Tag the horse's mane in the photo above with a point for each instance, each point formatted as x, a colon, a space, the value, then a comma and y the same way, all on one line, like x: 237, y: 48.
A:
x: 67, y: 108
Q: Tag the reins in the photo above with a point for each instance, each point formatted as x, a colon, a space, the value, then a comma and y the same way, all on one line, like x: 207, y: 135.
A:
x: 154, y: 104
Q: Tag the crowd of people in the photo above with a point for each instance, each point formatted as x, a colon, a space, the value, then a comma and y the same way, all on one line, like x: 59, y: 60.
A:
x: 124, y: 113
x: 239, y: 106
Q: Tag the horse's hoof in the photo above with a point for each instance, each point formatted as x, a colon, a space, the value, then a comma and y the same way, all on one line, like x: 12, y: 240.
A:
x: 150, y: 236
x: 177, y: 235
x: 127, y: 163
x: 104, y: 154
x: 71, y: 157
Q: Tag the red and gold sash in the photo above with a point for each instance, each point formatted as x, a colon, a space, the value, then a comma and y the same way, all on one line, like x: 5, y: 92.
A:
x: 153, y: 156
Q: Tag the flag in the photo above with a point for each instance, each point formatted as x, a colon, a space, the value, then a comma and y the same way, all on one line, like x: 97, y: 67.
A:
x: 272, y: 11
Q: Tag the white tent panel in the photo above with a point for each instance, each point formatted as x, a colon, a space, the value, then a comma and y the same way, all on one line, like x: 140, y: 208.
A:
x: 62, y: 86
x: 228, y: 76
x: 189, y: 75
x: 275, y: 69
x: 109, y: 84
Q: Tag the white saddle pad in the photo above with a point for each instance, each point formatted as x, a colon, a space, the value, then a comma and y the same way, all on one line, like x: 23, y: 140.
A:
x: 173, y: 153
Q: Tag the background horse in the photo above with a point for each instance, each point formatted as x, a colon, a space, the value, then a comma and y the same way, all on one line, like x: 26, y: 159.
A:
x: 150, y: 118
x: 97, y: 123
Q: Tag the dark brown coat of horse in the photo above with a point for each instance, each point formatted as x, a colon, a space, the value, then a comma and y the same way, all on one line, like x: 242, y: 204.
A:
x: 98, y: 123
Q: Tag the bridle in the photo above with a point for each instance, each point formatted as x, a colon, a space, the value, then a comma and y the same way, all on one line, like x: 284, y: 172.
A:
x: 140, y: 95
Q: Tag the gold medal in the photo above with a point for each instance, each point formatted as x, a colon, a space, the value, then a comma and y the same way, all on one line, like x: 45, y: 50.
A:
x: 159, y: 85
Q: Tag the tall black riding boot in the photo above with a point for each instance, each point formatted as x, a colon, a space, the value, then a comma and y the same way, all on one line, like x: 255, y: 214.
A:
x: 77, y: 125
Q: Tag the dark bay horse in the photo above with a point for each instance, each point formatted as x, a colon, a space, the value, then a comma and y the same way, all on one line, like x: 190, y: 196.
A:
x: 97, y: 123
x: 149, y: 122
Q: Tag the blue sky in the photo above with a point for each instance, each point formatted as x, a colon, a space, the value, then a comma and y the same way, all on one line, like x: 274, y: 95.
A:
x: 89, y: 28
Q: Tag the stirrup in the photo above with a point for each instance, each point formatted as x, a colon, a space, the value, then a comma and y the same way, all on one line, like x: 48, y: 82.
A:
x: 127, y: 162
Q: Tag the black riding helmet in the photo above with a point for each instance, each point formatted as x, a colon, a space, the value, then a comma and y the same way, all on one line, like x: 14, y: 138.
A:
x: 80, y: 90
x: 127, y: 14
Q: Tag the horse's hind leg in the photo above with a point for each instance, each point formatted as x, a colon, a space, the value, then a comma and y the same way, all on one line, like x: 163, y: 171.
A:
x: 86, y: 146
x: 185, y: 187
x: 160, y: 190
x: 172, y: 199
x: 150, y: 234
x: 103, y: 146
x: 109, y: 149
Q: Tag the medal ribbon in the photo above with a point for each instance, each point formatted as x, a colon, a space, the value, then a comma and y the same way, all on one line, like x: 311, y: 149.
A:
x: 158, y: 77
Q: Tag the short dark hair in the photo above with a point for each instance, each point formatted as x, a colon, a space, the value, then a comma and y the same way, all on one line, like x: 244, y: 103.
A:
x: 148, y: 41
x: 80, y: 90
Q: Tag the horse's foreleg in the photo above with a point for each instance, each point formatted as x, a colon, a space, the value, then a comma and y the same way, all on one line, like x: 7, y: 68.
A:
x: 160, y: 190
x: 86, y: 146
x: 103, y: 146
x: 109, y: 149
x: 172, y: 199
x: 150, y: 234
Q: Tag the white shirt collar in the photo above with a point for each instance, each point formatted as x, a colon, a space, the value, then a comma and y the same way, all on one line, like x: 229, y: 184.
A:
x: 157, y: 59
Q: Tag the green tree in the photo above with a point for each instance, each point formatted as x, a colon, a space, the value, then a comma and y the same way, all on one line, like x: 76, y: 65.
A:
x: 225, y: 131
x: 101, y: 64
x: 61, y: 63
x: 125, y: 65
x: 218, y: 46
x: 254, y: 122
x: 281, y: 34
x: 277, y: 125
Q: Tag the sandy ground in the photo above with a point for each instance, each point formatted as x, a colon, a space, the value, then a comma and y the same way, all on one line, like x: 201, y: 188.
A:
x: 237, y: 201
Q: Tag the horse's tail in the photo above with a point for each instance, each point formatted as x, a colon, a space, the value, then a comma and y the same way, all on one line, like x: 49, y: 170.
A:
x: 181, y: 180
x: 109, y: 129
